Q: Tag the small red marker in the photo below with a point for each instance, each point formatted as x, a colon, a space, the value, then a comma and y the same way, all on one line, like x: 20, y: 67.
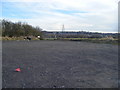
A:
x: 18, y: 70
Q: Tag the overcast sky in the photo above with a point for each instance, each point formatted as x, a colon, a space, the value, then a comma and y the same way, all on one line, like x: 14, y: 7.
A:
x: 76, y: 15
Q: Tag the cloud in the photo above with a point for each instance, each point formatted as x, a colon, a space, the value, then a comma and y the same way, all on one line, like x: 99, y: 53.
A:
x: 90, y: 15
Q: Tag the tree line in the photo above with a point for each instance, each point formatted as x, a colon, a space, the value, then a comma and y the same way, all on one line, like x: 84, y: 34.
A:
x: 79, y: 34
x: 18, y: 29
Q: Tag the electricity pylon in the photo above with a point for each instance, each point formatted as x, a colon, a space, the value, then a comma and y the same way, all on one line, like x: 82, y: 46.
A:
x: 63, y: 28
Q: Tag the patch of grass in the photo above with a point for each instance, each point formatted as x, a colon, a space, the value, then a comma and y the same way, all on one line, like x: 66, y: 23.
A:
x: 12, y: 38
x: 17, y: 38
x: 93, y: 40
x: 50, y: 39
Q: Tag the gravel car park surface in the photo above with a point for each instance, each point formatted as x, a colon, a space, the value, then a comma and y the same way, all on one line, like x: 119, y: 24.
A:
x: 59, y: 64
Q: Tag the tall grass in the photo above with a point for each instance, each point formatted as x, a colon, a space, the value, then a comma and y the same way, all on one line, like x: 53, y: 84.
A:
x: 17, y: 38
x: 93, y: 40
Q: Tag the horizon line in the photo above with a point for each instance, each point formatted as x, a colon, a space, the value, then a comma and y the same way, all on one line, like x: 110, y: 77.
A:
x: 78, y: 31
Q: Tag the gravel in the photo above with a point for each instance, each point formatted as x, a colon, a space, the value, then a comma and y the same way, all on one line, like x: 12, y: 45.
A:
x: 59, y: 64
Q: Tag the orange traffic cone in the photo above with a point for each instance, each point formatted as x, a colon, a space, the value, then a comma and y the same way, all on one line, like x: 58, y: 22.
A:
x: 17, y: 69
